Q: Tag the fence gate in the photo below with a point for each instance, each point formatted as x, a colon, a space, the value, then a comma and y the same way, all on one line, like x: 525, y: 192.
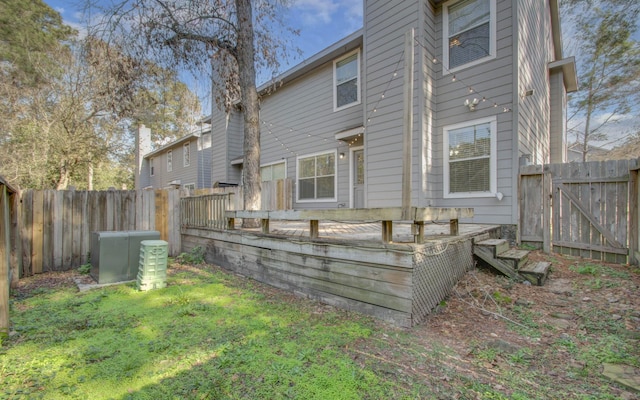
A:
x: 582, y: 209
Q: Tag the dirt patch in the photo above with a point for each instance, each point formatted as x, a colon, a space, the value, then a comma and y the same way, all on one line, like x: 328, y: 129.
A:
x: 496, y: 337
x: 40, y: 283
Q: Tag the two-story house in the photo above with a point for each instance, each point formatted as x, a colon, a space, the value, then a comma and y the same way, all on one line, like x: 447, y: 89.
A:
x: 489, y: 83
x: 184, y: 163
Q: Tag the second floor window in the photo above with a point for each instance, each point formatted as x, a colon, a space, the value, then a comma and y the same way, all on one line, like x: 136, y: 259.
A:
x: 346, y: 79
x: 186, y: 154
x: 169, y: 161
x: 151, y: 169
x: 469, y: 27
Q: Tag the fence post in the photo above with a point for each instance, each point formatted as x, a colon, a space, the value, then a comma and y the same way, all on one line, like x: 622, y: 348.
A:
x: 5, y: 258
x: 634, y: 214
x: 546, y: 212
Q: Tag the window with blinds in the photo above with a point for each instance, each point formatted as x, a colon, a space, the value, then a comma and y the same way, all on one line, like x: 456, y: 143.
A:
x: 346, y: 76
x: 470, y: 158
x: 469, y: 32
x: 317, y: 177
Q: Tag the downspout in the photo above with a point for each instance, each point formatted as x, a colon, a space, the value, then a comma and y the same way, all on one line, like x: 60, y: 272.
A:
x: 515, y: 116
x: 365, y: 101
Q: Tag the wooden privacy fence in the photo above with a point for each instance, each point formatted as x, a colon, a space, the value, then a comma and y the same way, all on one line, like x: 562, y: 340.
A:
x: 8, y: 238
x: 582, y: 209
x: 56, y: 225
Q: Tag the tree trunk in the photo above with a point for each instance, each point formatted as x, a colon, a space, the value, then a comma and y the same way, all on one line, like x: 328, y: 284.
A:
x: 249, y: 98
x: 63, y: 178
x: 587, y: 126
x: 90, y: 177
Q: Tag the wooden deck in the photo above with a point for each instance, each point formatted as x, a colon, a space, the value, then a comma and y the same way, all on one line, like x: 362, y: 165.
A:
x: 370, y: 231
x: 386, y: 216
x: 347, y: 264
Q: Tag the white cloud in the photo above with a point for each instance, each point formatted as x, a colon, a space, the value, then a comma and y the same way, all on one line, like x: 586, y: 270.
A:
x: 315, y: 12
x: 354, y: 8
x: 617, y: 129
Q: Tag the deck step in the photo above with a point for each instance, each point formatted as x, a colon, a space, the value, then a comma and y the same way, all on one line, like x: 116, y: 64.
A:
x: 516, y: 258
x: 479, y: 238
x: 486, y: 254
x: 498, y: 246
x: 536, y: 272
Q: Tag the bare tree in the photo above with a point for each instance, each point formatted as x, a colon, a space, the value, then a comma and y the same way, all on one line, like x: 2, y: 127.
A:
x: 608, y: 66
x: 225, y: 39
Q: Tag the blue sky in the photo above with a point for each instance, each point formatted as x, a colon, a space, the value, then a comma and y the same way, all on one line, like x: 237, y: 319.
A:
x: 321, y: 23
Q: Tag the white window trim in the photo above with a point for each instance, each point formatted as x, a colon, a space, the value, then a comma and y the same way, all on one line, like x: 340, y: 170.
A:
x: 151, y: 167
x: 170, y: 161
x: 189, y: 186
x: 445, y: 39
x: 335, y: 180
x: 185, y: 162
x: 335, y: 86
x: 274, y: 163
x: 493, y: 163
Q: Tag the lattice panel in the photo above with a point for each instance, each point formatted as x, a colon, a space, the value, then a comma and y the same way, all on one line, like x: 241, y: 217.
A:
x: 437, y: 269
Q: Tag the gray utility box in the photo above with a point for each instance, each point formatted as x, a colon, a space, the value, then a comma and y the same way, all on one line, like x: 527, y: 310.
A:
x: 115, y: 255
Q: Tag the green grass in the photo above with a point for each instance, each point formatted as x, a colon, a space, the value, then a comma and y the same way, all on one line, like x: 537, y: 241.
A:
x: 214, y: 335
x: 207, y: 335
x: 600, y: 270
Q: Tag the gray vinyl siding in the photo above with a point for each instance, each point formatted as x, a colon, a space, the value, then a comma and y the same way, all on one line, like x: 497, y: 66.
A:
x: 558, y: 129
x: 235, y: 134
x: 179, y: 172
x: 219, y: 140
x: 226, y: 146
x: 299, y: 117
x: 535, y: 51
x: 204, y: 164
x: 385, y: 25
x: 492, y: 79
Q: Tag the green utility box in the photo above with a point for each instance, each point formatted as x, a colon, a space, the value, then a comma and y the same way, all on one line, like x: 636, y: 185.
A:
x: 115, y: 254
x: 152, y: 271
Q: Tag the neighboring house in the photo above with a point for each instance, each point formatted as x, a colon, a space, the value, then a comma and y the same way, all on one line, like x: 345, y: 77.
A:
x: 183, y: 163
x: 334, y: 123
x: 594, y: 153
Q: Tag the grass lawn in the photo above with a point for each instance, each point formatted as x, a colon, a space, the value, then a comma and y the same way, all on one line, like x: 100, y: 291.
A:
x: 214, y: 335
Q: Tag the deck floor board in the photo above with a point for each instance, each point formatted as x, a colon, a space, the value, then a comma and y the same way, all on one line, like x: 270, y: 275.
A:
x: 367, y: 230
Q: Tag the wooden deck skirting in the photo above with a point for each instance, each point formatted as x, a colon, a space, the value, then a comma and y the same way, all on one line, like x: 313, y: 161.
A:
x: 400, y: 283
x: 343, y: 265
x: 387, y: 215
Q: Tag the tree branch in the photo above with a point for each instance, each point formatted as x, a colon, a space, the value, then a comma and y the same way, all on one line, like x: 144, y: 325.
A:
x: 181, y: 34
x: 214, y: 41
